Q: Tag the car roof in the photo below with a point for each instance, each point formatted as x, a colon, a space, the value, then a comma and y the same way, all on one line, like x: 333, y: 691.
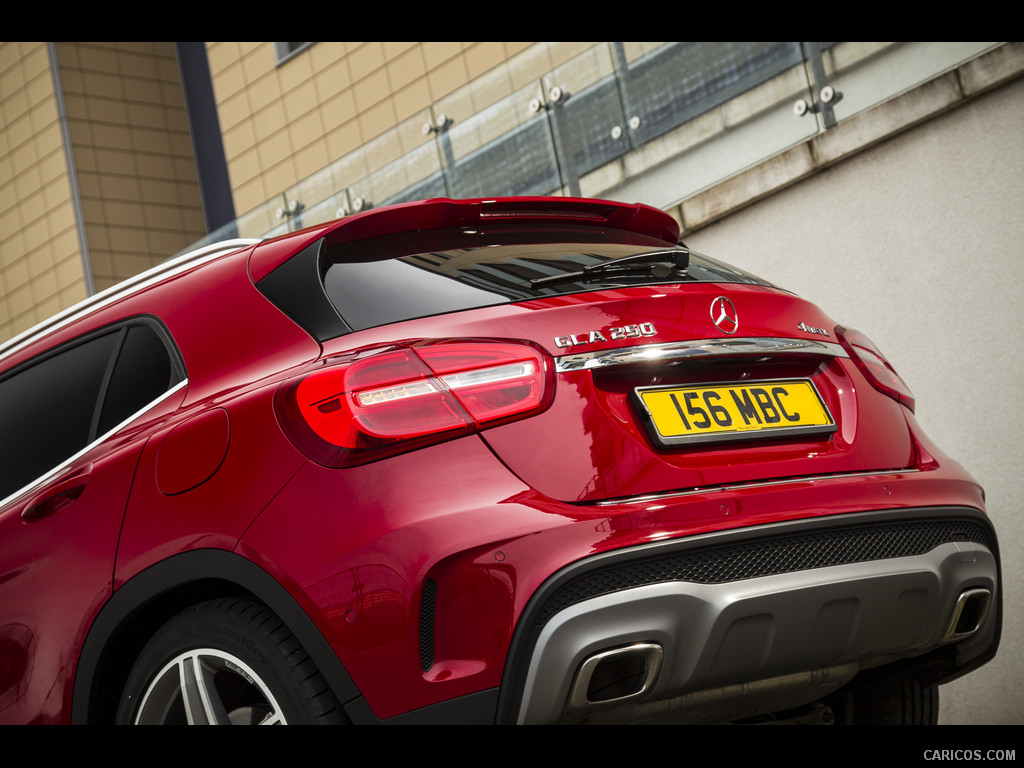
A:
x: 439, y: 213
x: 123, y: 289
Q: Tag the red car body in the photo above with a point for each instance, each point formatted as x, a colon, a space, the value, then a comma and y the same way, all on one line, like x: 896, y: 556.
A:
x: 541, y: 507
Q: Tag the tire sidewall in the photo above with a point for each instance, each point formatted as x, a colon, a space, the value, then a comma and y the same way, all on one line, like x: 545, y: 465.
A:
x: 240, y: 628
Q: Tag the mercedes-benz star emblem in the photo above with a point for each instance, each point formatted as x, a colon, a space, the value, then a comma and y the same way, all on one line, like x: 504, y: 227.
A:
x: 723, y: 315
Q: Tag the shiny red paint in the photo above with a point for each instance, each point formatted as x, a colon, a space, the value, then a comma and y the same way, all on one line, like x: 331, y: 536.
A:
x: 487, y: 511
x: 590, y: 433
x: 491, y: 545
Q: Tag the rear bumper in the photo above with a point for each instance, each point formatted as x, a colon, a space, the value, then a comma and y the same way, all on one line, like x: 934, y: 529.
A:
x: 734, y: 624
x: 446, y: 598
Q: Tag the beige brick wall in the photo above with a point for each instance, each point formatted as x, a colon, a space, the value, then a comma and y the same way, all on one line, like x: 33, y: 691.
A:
x: 132, y: 158
x: 132, y: 153
x: 41, y: 268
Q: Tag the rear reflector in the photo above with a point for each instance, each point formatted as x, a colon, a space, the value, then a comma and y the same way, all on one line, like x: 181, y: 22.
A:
x: 401, y: 398
x: 875, y: 367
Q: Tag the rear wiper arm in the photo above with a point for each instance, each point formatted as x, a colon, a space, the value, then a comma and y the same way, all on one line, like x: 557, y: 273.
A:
x: 678, y: 259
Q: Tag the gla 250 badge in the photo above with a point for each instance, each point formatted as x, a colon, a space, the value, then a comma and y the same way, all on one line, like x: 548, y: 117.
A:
x: 606, y: 334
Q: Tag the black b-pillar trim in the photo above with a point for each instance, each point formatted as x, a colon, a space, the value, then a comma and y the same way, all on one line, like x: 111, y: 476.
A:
x: 297, y: 289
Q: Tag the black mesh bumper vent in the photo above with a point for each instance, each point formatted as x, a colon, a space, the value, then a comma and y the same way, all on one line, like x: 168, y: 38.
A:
x: 427, y: 624
x: 768, y: 556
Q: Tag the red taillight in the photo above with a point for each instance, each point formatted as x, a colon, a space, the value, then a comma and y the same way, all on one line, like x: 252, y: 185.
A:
x: 875, y: 367
x: 406, y: 397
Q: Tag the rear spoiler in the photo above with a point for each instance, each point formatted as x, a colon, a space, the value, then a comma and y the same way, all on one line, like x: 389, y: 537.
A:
x: 442, y: 213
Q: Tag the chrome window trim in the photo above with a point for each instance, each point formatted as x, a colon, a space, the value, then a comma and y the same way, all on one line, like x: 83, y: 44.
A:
x: 131, y: 285
x: 695, y: 349
x: 44, y: 478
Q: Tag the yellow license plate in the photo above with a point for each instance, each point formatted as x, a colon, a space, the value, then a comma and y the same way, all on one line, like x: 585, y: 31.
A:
x: 723, y: 412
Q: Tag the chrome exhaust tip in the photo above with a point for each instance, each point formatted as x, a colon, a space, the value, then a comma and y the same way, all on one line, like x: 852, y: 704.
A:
x: 615, y: 675
x: 968, y: 613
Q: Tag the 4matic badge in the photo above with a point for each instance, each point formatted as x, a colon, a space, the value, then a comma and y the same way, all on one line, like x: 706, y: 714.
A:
x: 606, y: 334
x: 811, y: 329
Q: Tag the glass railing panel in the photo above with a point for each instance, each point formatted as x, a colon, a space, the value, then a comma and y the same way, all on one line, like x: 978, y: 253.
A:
x: 392, y: 181
x: 260, y: 220
x: 593, y: 116
x: 471, y: 132
x: 381, y: 169
x: 657, y: 122
x: 505, y: 149
x: 678, y: 82
x: 405, y: 138
x: 483, y: 92
x: 583, y: 70
x: 598, y: 133
x: 702, y: 112
x: 634, y: 51
x: 520, y: 71
x: 325, y: 210
x: 867, y: 74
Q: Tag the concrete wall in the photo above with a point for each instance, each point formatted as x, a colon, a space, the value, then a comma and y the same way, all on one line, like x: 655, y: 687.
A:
x: 919, y: 243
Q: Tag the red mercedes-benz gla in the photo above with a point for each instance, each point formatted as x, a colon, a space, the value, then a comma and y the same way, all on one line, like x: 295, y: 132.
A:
x: 493, y: 461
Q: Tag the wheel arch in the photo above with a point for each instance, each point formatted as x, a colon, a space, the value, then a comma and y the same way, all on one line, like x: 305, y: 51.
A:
x: 140, y: 606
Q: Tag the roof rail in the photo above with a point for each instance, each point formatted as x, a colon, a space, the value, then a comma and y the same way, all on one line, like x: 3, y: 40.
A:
x: 126, y: 287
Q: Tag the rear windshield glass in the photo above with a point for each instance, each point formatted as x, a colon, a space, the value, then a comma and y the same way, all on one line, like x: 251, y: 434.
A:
x: 369, y: 293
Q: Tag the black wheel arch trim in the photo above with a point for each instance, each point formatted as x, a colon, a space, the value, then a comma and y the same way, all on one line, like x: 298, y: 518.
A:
x: 179, y: 572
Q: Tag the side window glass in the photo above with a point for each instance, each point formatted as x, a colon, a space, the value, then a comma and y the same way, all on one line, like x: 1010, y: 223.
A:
x: 50, y: 409
x: 144, y: 371
x: 47, y: 410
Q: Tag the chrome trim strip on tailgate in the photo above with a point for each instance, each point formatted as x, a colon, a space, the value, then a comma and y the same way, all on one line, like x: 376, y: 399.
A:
x: 695, y: 349
x: 649, y: 497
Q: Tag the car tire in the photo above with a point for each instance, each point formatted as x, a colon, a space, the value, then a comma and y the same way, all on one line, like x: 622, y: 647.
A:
x: 230, y: 662
x: 898, y: 701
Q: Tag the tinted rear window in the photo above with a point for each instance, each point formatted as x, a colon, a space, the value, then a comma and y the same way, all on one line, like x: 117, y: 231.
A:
x: 47, y: 409
x: 371, y: 292
x: 53, y: 407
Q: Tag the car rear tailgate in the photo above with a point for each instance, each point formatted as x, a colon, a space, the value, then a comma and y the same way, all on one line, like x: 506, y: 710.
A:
x: 603, y: 435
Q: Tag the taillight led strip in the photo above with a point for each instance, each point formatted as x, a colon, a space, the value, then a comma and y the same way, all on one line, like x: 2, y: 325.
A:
x: 400, y: 398
x: 873, y: 364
